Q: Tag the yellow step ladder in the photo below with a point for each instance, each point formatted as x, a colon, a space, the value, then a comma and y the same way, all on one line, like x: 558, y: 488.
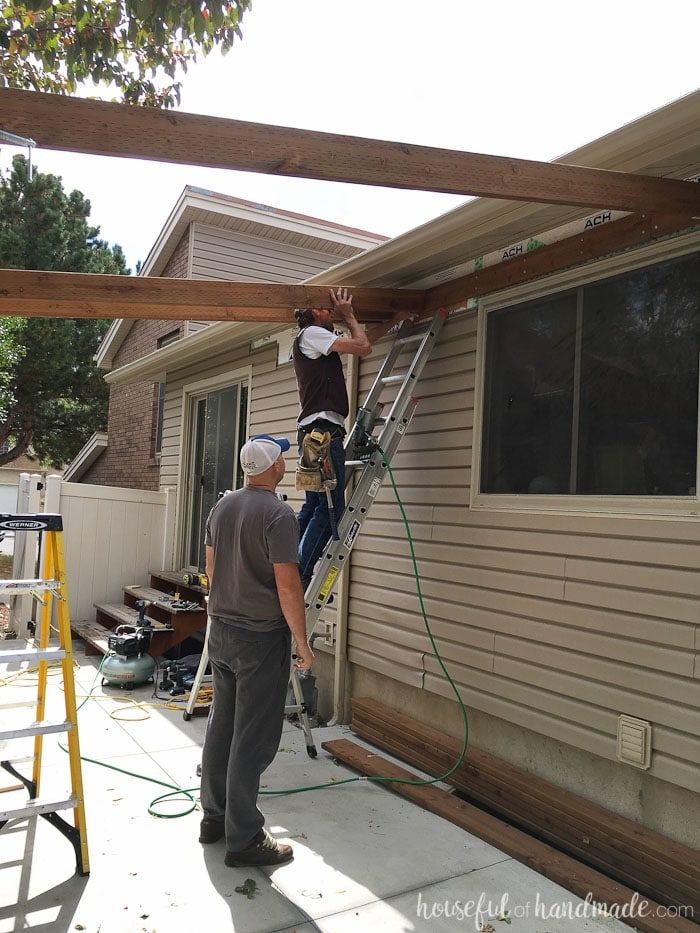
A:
x: 42, y: 650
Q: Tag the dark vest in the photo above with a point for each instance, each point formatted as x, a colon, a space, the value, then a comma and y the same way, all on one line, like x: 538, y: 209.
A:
x: 320, y: 382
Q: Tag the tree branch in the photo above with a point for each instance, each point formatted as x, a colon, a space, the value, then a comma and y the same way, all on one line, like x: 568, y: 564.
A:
x: 19, y: 448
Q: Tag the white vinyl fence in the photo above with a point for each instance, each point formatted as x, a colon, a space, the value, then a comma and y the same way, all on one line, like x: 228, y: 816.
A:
x: 113, y: 537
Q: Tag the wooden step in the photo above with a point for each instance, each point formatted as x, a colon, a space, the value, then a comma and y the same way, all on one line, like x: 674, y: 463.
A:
x: 93, y: 634
x: 118, y: 614
x: 108, y: 617
x: 171, y: 580
x: 161, y: 600
x: 184, y: 622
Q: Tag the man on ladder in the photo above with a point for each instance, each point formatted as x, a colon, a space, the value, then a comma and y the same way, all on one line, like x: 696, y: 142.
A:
x: 323, y: 401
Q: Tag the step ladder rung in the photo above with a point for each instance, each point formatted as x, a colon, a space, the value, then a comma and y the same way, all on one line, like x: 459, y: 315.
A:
x: 395, y: 380
x: 22, y: 760
x: 36, y: 728
x: 355, y: 463
x: 20, y: 650
x: 37, y: 807
x: 24, y: 587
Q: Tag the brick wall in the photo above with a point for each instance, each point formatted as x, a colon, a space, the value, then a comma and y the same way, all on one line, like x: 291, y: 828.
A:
x: 129, y: 460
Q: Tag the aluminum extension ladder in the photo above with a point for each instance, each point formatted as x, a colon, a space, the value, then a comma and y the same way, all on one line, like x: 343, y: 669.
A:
x: 362, y: 452
x: 51, y: 584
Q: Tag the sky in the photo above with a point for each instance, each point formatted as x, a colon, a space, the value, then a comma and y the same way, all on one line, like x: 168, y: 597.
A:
x: 528, y: 80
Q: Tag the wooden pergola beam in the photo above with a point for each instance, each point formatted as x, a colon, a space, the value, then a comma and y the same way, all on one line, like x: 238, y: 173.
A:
x: 572, y: 251
x: 78, y: 125
x: 30, y: 293
x: 74, y: 295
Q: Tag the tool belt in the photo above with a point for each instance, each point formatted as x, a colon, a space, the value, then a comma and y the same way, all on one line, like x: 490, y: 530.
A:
x: 315, y: 471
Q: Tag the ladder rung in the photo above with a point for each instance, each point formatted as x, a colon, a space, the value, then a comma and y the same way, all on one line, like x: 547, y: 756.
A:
x: 23, y: 760
x: 36, y: 728
x: 19, y: 650
x: 25, y: 587
x: 393, y: 380
x: 412, y: 338
x: 19, y: 705
x: 35, y: 807
x: 355, y: 463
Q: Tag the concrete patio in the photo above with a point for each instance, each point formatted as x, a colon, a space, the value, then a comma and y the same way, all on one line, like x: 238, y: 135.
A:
x: 365, y: 859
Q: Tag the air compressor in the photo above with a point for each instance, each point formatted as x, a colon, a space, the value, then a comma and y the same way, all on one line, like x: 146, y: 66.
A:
x: 128, y: 663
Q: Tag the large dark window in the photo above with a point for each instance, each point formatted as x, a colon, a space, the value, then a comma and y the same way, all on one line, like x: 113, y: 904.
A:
x: 595, y: 391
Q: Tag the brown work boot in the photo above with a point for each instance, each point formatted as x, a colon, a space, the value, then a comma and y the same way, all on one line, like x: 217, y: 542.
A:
x: 263, y: 850
x: 211, y: 830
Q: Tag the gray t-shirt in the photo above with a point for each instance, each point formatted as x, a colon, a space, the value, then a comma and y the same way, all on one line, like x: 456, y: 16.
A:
x: 250, y: 530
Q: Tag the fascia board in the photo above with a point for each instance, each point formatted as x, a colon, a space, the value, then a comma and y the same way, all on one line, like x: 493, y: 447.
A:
x: 217, y: 338
x: 87, y: 456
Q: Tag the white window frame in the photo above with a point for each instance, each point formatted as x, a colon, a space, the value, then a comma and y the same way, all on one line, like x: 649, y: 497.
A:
x: 679, y: 507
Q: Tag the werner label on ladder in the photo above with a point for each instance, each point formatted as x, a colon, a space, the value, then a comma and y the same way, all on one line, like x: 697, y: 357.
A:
x: 51, y: 584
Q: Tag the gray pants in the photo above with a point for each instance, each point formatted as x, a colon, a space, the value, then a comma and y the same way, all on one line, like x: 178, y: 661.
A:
x: 244, y: 726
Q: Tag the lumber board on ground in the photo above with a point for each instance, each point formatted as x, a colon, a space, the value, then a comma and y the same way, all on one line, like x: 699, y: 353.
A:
x: 80, y: 125
x: 667, y: 870
x: 591, y: 845
x: 542, y: 858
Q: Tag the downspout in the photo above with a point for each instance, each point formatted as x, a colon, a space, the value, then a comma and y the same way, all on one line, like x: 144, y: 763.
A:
x: 340, y: 667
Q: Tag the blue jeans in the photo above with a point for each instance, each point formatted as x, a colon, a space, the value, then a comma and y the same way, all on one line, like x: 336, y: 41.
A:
x: 314, y: 521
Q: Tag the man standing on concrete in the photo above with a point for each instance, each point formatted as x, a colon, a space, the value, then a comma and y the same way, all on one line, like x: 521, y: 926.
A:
x: 323, y: 402
x: 255, y: 605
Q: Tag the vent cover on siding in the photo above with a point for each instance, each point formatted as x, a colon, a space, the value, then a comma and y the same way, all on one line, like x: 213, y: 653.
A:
x: 634, y: 741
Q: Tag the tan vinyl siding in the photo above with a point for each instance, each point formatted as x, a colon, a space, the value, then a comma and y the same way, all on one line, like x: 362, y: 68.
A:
x: 223, y: 254
x: 272, y: 404
x: 557, y: 623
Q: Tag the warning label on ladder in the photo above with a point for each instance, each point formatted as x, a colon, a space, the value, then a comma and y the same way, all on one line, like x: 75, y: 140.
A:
x: 328, y: 583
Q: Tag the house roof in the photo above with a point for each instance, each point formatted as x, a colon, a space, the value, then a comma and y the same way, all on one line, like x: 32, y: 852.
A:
x: 665, y: 142
x: 84, y: 459
x: 235, y: 214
